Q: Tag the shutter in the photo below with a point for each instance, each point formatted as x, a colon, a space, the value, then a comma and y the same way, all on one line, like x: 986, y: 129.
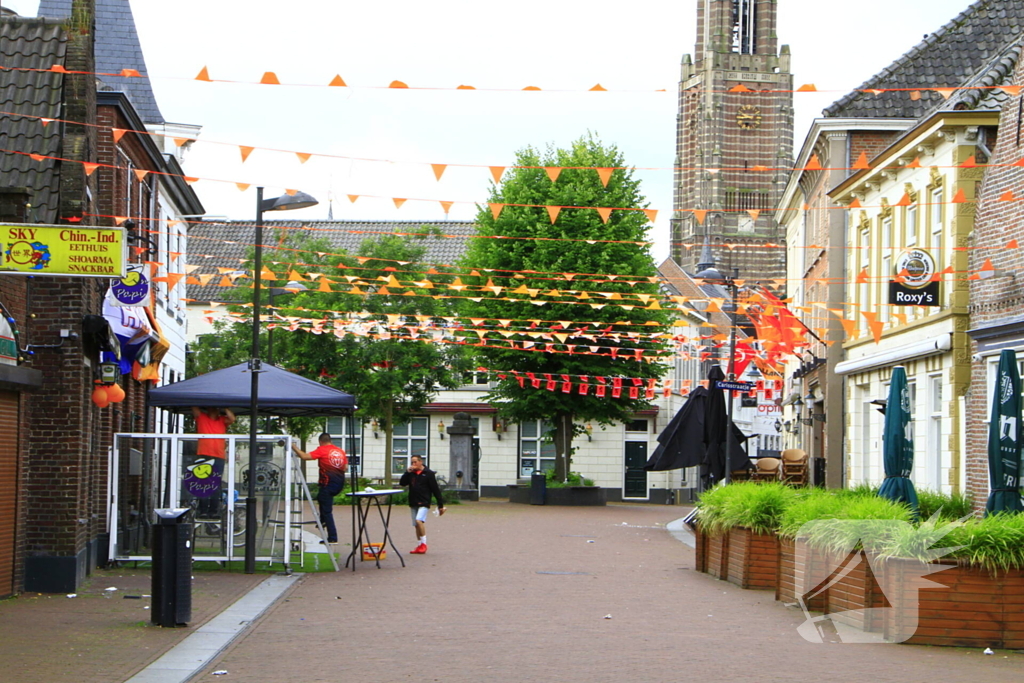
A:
x: 9, y: 485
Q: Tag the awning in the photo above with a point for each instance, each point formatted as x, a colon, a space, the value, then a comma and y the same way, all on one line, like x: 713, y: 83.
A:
x: 919, y: 349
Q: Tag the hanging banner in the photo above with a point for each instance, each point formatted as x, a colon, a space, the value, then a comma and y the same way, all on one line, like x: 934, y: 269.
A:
x: 916, y: 286
x: 132, y: 289
x: 62, y: 250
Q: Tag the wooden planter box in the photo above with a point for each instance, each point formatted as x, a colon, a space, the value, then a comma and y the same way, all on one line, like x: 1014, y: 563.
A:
x: 701, y: 551
x: 978, y: 609
x: 794, y: 561
x: 753, y: 559
x: 717, y: 553
x: 856, y: 599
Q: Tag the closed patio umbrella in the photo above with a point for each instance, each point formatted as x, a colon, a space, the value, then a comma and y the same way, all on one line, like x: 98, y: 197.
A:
x: 1005, y: 438
x: 897, y: 444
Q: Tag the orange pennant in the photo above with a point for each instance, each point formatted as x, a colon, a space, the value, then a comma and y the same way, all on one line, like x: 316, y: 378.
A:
x: 352, y: 197
x: 598, y: 88
x: 270, y: 78
x: 739, y: 88
x: 700, y: 214
x: 970, y: 163
x: 447, y: 206
x: 605, y: 213
x: 945, y: 92
x: 118, y: 133
x: 916, y: 163
x: 553, y: 172
x: 141, y: 174
x: 1012, y: 244
x: 190, y: 181
x: 325, y: 285
x: 496, y: 173
x: 814, y: 164
x: 465, y: 87
x: 905, y: 200
x: 130, y: 73
x: 754, y: 213
x: 181, y: 142
x: 959, y: 197
x: 338, y: 82
x: 915, y: 95
x: 204, y: 75
x: 397, y: 84
x: 862, y: 162
x: 531, y: 87
x: 1011, y: 90
x: 605, y: 174
x: 1007, y: 196
x: 398, y: 202
x: 303, y: 157
x: 553, y: 212
x: 862, y: 277
x: 38, y: 157
x: 652, y: 214
x: 118, y: 220
x: 496, y: 209
x: 225, y: 281
x: 438, y: 170
x: 245, y: 151
x: 809, y: 87
x: 242, y: 187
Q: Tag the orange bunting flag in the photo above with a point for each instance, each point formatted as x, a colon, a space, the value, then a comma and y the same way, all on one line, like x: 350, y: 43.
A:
x: 181, y: 142
x: 1011, y: 90
x: 438, y: 170
x: 118, y: 220
x: 398, y: 202
x: 496, y: 173
x: 700, y: 214
x: 465, y: 87
x: 40, y: 157
x: 130, y: 73
x: 141, y: 174
x: 225, y: 281
x: 754, y: 213
x: 496, y: 210
x: 905, y: 200
x: 325, y: 285
x: 605, y: 213
x: 59, y: 68
x: 862, y: 162
x: 971, y: 162
x: 1012, y: 244
x: 945, y: 92
x: 204, y: 75
x: 855, y: 204
x: 605, y: 174
x: 916, y: 163
x: 1007, y: 196
x: 245, y: 152
x: 809, y: 87
x: 303, y: 157
x: 849, y: 326
x: 553, y: 212
x: 45, y: 121
x: 446, y: 206
x: 960, y: 197
x: 652, y: 214
x: 338, y: 82
x: 553, y: 172
x: 270, y: 78
x: 915, y: 95
x: 874, y: 325
x: 267, y: 274
x: 242, y: 187
x: 398, y: 84
x: 118, y: 133
x: 862, y: 277
x: 598, y: 88
x: 190, y: 181
x: 814, y: 164
x: 296, y: 276
x: 532, y: 88
x: 352, y: 197
x: 740, y: 88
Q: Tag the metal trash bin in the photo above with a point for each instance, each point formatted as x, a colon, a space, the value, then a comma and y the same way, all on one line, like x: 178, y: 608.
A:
x: 172, y: 568
x: 538, y: 488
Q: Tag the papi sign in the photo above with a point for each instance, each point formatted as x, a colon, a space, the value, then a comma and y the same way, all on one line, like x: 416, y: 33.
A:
x: 62, y: 250
x: 919, y: 286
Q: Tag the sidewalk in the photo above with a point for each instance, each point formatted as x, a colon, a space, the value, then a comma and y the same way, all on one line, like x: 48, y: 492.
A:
x: 520, y: 593
x: 505, y: 593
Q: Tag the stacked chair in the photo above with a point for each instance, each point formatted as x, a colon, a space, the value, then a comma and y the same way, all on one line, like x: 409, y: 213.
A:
x: 794, y: 467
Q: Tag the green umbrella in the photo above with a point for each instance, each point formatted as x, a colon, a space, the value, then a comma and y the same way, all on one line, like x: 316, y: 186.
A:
x: 1005, y: 438
x: 897, y: 444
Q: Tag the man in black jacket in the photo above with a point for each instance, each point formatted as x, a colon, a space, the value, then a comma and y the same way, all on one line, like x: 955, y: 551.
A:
x: 422, y: 484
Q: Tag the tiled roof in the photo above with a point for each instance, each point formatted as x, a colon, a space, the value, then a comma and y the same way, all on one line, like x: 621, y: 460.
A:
x: 945, y: 59
x: 980, y: 92
x: 31, y: 44
x: 225, y: 244
x: 117, y: 48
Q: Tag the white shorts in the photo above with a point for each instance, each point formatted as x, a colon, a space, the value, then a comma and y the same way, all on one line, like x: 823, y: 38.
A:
x: 419, y: 515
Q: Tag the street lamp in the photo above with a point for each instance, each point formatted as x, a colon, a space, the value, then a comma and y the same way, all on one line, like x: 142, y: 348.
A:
x: 713, y: 276
x: 286, y: 202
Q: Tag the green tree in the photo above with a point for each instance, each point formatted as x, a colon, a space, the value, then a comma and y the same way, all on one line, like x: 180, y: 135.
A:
x: 610, y: 283
x: 357, y: 337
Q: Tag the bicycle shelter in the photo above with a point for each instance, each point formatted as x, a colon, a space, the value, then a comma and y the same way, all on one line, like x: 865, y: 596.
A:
x: 150, y: 471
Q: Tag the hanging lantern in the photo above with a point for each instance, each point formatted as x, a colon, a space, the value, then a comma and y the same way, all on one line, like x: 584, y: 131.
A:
x: 115, y: 394
x: 99, y: 397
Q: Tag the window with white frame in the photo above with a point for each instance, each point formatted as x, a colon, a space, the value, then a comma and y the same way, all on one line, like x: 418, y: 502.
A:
x: 911, y: 227
x: 535, y: 452
x: 935, y: 445
x: 407, y: 440
x: 883, y: 282
x: 865, y: 267
x: 347, y: 434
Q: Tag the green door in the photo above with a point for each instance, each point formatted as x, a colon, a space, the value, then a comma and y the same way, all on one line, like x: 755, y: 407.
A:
x: 636, y: 477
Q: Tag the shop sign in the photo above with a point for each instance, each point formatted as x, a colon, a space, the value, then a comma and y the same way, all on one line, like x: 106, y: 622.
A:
x: 62, y: 250
x: 917, y: 285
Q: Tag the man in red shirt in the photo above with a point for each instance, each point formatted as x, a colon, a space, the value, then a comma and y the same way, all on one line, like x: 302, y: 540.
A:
x: 333, y: 464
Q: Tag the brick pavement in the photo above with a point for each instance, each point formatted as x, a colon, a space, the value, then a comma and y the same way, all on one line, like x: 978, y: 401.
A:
x: 475, y: 608
x: 99, y: 636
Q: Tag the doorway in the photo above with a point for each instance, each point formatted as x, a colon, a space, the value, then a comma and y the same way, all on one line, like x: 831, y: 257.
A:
x: 635, y: 483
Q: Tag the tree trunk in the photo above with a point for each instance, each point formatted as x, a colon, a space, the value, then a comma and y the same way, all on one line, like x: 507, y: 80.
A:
x: 563, y: 445
x: 388, y: 416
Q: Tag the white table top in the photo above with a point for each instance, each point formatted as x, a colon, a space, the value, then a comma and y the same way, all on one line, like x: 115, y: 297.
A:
x: 371, y: 494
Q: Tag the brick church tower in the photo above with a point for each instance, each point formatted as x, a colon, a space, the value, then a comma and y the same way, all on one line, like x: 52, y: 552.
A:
x: 734, y: 140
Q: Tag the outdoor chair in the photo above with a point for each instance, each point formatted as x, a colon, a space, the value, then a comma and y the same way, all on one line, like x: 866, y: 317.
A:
x: 794, y: 466
x: 766, y: 469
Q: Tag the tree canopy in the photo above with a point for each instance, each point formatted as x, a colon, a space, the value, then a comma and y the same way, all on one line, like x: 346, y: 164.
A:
x: 600, y: 318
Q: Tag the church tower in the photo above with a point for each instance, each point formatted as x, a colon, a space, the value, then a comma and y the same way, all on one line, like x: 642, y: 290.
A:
x: 734, y: 140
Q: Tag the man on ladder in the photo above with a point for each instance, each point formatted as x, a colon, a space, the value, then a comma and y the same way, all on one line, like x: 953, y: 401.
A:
x: 333, y: 464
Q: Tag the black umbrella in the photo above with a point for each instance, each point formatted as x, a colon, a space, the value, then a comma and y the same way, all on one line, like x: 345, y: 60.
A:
x: 1005, y: 439
x: 715, y: 433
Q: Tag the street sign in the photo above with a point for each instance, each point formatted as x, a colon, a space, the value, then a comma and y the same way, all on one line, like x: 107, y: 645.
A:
x: 736, y: 386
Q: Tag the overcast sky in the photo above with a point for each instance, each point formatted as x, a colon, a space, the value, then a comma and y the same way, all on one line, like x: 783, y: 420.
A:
x: 632, y: 49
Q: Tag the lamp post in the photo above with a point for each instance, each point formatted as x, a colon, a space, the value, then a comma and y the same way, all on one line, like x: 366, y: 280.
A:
x: 286, y: 202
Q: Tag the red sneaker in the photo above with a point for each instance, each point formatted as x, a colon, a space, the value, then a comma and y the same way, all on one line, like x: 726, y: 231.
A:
x: 419, y: 550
